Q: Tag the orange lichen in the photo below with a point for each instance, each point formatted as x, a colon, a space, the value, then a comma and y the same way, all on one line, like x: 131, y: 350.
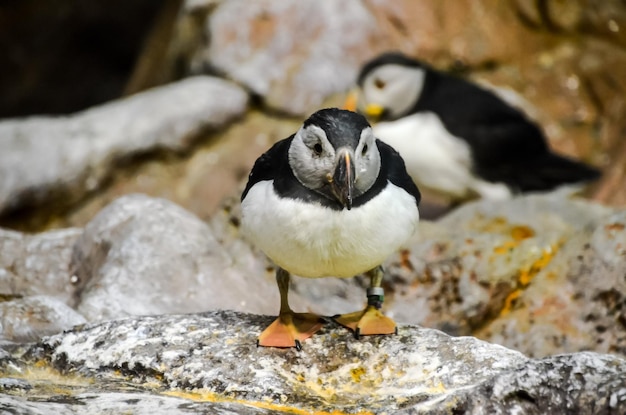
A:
x: 357, y: 373
x: 525, y: 276
x: 213, y: 397
x: 615, y: 226
x: 521, y: 232
x: 509, y: 302
x: 405, y: 260
x: 518, y: 233
x: 505, y: 247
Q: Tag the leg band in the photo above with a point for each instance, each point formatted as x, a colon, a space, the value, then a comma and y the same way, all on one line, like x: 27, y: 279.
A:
x: 375, y: 296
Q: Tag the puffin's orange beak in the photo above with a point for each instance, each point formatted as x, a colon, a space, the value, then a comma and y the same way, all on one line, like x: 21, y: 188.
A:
x: 351, y: 101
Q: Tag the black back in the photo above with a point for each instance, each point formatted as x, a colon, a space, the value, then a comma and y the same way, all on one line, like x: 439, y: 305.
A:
x: 274, y: 164
x: 505, y: 145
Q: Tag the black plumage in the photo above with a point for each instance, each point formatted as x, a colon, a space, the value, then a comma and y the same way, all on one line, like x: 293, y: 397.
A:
x: 342, y: 128
x: 505, y: 145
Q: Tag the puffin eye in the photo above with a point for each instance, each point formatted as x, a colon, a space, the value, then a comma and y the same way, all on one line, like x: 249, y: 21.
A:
x: 379, y: 83
x: 364, y: 151
x: 317, y: 148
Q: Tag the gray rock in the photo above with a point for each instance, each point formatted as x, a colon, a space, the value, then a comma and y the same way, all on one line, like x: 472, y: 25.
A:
x: 292, y: 54
x: 143, y: 255
x: 542, y: 274
x: 213, y: 356
x: 114, y: 403
x: 28, y: 319
x: 41, y: 157
x: 581, y: 383
x: 37, y: 264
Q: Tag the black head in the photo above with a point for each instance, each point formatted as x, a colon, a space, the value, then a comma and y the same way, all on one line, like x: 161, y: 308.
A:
x: 390, y: 85
x: 335, y: 154
x: 388, y: 58
x: 342, y: 127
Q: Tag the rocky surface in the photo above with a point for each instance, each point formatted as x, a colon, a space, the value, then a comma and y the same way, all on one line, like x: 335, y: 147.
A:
x: 28, y: 319
x: 74, y: 155
x: 210, y: 362
x: 143, y: 255
x: 292, y: 54
x: 37, y: 264
x: 542, y: 274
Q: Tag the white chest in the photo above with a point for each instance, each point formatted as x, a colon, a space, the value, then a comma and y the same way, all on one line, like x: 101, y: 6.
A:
x: 310, y: 240
x: 434, y: 158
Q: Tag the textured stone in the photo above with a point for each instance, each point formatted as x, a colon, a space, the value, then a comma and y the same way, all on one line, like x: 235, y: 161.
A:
x: 142, y: 255
x: 212, y: 357
x: 543, y: 274
x: 37, y: 264
x: 292, y: 54
x: 112, y: 403
x: 65, y: 157
x: 29, y: 319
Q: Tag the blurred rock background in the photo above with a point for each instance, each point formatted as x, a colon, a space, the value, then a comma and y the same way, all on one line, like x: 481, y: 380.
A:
x: 176, y: 99
x: 562, y: 62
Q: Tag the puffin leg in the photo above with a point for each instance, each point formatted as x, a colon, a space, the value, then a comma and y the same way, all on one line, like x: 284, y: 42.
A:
x: 290, y: 328
x: 370, y: 320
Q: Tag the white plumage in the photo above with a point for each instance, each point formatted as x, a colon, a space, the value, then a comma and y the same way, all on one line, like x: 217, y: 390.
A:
x: 310, y: 240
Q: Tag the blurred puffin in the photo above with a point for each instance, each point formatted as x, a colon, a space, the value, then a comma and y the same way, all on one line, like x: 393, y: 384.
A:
x: 457, y: 139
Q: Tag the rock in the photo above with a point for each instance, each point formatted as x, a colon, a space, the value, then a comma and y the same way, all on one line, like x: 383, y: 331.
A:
x: 542, y: 274
x: 37, y: 264
x: 210, y: 360
x: 199, y: 182
x: 142, y: 255
x: 62, y: 158
x: 137, y: 403
x: 292, y: 54
x: 29, y: 319
x: 594, y: 385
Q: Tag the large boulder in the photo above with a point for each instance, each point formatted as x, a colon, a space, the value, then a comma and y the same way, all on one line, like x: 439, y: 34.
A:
x: 60, y: 159
x: 542, y: 273
x: 37, y: 264
x: 210, y: 362
x: 143, y: 255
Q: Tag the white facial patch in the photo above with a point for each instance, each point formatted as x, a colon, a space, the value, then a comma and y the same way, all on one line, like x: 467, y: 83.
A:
x: 394, y: 87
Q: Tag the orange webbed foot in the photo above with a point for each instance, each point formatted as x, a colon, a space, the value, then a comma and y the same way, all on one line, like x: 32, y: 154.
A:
x: 367, y: 322
x: 290, y: 329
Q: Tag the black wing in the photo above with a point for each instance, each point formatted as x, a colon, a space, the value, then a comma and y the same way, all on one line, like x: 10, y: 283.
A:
x: 506, y: 146
x: 269, y: 165
x: 393, y: 168
x: 496, y: 132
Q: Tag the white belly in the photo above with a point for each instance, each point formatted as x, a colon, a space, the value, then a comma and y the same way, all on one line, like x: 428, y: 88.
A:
x: 436, y: 159
x: 310, y: 240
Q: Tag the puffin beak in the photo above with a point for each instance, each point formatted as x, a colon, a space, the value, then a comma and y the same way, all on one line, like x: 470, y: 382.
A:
x: 374, y: 111
x: 342, y: 184
x: 351, y: 101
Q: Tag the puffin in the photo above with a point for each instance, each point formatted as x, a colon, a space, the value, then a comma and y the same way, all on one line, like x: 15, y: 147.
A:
x: 458, y: 139
x: 331, y: 200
